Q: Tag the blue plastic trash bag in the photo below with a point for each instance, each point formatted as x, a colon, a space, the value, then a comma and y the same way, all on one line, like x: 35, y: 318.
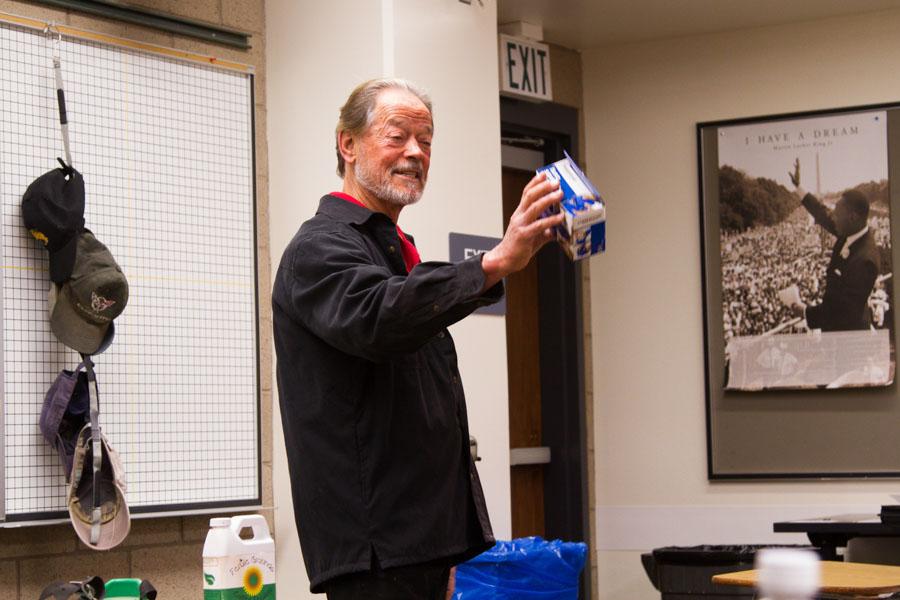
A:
x: 523, y: 569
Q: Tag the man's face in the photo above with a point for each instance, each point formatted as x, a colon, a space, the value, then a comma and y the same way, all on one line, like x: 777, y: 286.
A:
x: 394, y: 153
x: 846, y: 222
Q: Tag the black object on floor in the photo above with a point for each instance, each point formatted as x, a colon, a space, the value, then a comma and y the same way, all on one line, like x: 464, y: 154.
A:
x: 91, y: 588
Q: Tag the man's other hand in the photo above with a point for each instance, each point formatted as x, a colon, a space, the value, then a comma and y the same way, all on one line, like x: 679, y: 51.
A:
x: 795, y: 179
x: 528, y: 230
x: 795, y: 174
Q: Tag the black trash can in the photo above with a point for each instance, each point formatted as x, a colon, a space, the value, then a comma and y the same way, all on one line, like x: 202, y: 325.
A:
x: 685, y: 572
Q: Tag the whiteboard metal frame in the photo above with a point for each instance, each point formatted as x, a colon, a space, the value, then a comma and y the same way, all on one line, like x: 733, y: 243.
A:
x: 182, y: 509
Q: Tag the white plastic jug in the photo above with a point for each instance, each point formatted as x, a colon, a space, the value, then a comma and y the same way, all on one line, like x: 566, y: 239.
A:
x: 235, y: 568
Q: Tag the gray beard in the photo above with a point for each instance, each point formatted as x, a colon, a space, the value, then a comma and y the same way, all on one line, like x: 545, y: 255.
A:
x: 381, y: 187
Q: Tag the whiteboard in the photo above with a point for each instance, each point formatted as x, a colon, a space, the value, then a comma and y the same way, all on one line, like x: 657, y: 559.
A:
x: 166, y: 150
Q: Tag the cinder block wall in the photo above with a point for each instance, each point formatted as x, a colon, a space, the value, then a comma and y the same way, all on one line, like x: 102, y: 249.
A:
x: 166, y: 551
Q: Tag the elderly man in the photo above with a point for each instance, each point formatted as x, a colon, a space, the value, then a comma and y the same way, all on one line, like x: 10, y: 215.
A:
x: 386, y: 496
x: 854, y: 264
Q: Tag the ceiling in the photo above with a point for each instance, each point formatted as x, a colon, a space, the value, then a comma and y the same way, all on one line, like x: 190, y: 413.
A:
x: 581, y: 24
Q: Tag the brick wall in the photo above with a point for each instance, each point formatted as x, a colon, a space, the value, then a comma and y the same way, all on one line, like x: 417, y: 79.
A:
x: 166, y: 551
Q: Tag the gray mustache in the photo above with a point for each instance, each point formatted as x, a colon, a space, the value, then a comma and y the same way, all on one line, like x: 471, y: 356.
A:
x: 412, y: 166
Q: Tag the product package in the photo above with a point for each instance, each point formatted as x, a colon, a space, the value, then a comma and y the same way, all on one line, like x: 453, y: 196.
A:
x: 583, y: 233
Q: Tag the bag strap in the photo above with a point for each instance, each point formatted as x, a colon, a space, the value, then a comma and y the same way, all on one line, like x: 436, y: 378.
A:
x: 96, y: 446
x: 60, y: 92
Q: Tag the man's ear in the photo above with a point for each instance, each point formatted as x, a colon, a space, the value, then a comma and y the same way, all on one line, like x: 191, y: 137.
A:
x: 347, y: 147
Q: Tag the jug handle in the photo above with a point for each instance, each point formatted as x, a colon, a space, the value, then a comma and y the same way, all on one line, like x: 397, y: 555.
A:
x: 256, y: 522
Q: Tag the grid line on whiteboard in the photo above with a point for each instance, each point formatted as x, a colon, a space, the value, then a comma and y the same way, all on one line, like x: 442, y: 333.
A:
x: 165, y: 148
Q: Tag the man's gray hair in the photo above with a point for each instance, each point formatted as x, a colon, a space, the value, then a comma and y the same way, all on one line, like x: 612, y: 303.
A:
x: 356, y: 114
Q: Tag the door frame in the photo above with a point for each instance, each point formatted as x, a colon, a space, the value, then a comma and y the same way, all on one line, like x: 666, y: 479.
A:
x: 561, y: 330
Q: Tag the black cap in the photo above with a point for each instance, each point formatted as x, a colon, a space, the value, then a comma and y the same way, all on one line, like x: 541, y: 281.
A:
x: 53, y: 212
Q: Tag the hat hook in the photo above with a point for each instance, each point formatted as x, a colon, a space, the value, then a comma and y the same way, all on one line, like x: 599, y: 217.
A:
x: 51, y: 30
x: 86, y: 359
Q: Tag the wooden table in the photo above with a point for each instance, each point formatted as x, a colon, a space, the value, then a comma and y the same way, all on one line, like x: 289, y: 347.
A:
x: 843, y: 579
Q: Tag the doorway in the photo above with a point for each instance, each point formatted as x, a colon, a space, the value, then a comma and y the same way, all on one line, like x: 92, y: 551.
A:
x: 524, y: 381
x: 548, y: 472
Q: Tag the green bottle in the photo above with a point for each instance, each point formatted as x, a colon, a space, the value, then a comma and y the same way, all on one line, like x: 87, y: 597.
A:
x: 129, y: 589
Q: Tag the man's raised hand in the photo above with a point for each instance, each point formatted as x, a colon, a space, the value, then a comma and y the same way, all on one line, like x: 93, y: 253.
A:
x: 528, y: 230
x: 795, y: 174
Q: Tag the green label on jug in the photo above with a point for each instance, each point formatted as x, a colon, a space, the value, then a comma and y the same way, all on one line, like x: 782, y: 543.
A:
x: 250, y: 592
x: 243, y: 577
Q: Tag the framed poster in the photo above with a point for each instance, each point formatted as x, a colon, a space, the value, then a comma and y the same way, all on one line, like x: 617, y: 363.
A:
x: 801, y: 212
x: 769, y: 259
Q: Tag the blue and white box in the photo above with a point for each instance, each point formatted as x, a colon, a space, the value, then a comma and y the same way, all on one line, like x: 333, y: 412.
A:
x: 583, y: 233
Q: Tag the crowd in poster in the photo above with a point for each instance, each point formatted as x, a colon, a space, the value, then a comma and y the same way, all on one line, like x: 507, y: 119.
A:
x: 805, y: 241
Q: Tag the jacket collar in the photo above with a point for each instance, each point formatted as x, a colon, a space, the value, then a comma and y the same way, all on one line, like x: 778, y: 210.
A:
x: 347, y: 212
x: 344, y: 211
x: 845, y: 250
x: 856, y: 236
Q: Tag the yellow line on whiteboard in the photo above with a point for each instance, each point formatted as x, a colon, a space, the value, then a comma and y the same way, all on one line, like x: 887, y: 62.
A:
x: 20, y: 268
x: 236, y: 284
x: 123, y: 42
x: 218, y: 282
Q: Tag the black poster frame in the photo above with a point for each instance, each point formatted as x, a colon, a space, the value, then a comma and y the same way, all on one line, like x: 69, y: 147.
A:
x: 790, y: 434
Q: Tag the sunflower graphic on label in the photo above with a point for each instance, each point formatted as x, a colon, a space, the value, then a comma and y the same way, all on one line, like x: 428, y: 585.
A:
x: 239, y: 577
x: 253, y: 581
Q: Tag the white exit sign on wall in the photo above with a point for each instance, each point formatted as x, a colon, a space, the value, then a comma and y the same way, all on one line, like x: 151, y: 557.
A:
x: 525, y: 68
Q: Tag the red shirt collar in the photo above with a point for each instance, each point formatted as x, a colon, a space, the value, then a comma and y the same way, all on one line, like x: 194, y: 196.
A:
x: 410, y: 254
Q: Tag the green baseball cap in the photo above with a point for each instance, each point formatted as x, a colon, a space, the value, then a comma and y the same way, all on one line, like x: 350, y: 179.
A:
x: 83, y: 308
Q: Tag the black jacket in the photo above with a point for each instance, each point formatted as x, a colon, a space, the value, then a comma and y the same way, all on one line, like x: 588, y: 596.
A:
x: 372, y: 406
x: 849, y: 279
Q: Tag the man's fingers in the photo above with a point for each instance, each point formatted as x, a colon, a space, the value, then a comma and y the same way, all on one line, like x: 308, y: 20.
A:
x: 540, y: 225
x: 541, y: 204
x: 534, y: 181
x: 537, y: 191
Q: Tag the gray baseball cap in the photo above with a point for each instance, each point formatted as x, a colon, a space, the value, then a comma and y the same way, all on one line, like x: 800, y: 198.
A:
x: 115, y: 518
x: 83, y: 308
